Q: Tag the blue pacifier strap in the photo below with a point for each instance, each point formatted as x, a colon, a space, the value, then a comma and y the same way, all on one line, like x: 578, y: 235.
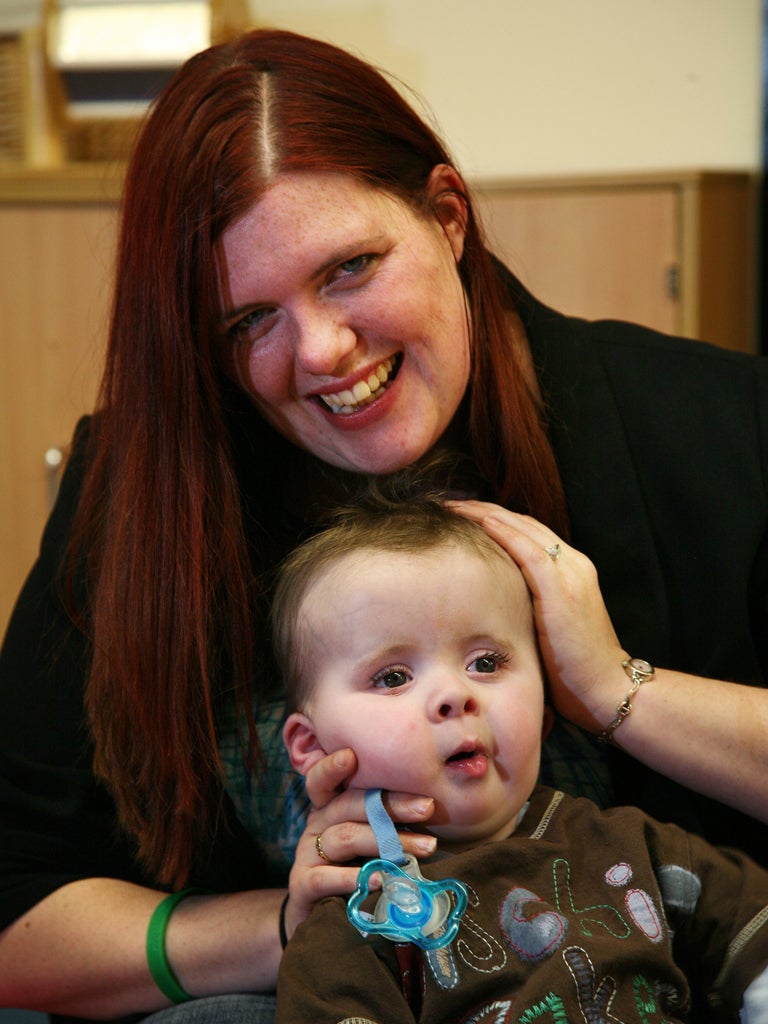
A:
x: 387, y: 839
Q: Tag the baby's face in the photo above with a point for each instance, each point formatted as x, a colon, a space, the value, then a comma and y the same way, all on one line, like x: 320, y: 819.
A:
x: 425, y: 664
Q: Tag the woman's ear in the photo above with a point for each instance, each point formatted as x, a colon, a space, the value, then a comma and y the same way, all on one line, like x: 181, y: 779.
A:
x: 301, y: 742
x: 446, y: 193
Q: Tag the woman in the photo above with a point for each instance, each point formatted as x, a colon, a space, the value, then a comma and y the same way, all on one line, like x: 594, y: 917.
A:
x: 303, y: 295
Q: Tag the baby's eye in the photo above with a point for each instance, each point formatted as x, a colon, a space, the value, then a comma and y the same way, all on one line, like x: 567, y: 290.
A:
x: 489, y: 662
x: 391, y: 678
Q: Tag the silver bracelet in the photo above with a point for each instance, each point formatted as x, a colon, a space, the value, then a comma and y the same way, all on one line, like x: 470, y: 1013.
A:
x: 639, y: 671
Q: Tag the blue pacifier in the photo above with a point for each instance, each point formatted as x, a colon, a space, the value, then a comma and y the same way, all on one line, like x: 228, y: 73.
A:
x: 410, y: 908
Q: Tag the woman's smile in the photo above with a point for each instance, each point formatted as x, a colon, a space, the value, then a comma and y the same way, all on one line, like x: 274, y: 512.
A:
x: 368, y: 388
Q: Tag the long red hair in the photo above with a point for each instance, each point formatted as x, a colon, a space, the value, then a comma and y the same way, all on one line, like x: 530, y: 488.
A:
x: 161, y: 531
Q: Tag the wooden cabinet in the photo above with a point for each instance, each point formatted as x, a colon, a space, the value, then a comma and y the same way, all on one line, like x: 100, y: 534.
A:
x: 671, y: 251
x: 674, y: 251
x: 56, y: 254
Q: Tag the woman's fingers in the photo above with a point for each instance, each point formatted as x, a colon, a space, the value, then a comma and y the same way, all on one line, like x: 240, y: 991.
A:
x: 349, y: 840
x: 326, y: 779
x: 549, y: 565
x: 339, y: 817
x: 327, y: 782
x: 533, y: 545
x: 337, y: 838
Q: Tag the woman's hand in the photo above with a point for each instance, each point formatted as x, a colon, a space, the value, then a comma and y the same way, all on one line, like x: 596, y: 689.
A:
x: 337, y: 835
x: 581, y: 652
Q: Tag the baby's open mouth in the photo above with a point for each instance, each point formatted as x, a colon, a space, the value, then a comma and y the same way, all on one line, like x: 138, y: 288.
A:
x: 470, y: 763
x: 366, y: 390
x: 463, y: 755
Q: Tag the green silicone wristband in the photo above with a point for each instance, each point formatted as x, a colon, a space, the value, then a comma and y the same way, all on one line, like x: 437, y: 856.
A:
x: 157, y: 960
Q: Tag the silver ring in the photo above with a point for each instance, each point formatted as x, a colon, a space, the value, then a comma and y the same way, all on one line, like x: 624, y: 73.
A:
x: 320, y: 851
x: 553, y: 551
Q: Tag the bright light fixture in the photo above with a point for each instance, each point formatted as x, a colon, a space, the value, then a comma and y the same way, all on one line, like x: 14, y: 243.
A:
x: 124, y: 34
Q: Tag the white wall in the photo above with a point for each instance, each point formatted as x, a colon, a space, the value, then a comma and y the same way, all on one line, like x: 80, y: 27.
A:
x: 539, y: 87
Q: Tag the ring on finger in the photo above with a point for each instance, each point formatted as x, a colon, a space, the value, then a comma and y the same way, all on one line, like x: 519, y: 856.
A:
x: 319, y: 847
x: 553, y: 551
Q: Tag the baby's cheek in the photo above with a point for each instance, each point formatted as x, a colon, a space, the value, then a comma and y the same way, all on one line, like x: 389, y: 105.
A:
x: 378, y: 770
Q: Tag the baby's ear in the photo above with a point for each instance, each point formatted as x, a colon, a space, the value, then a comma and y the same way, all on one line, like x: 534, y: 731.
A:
x: 301, y: 742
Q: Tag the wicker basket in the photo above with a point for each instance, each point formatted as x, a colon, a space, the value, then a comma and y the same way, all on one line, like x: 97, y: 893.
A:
x: 11, y: 99
x: 30, y: 102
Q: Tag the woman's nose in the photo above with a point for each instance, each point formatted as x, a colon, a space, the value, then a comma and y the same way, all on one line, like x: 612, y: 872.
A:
x: 324, y: 343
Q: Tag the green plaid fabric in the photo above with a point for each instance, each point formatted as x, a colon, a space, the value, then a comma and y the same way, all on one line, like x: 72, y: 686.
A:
x: 573, y: 761
x: 271, y: 803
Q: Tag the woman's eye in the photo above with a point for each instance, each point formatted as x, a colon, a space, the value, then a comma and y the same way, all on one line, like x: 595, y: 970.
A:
x: 253, y: 325
x: 354, y: 267
x: 391, y: 678
x: 490, y: 662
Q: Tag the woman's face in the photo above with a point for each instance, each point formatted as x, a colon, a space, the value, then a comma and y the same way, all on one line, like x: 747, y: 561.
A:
x: 344, y: 317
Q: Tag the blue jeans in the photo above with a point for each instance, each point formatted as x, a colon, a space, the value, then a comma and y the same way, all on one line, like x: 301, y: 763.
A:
x: 228, y: 1009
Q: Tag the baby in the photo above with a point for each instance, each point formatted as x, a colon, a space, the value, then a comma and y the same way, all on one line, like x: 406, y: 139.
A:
x: 404, y: 632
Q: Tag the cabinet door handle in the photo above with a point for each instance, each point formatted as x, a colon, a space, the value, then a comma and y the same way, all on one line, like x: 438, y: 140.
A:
x: 54, y: 463
x: 672, y: 281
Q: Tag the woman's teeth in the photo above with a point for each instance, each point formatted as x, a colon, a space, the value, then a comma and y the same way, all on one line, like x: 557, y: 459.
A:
x: 363, y: 393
